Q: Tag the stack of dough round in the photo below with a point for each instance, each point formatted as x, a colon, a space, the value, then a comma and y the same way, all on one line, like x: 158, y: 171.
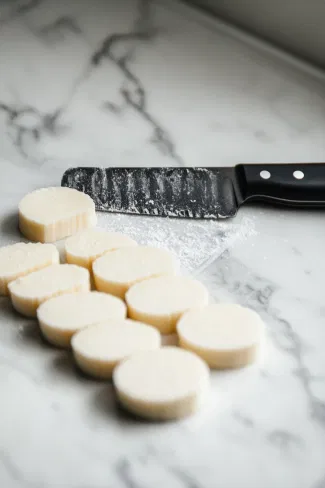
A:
x: 50, y: 214
x: 168, y: 383
x: 83, y: 248
x: 161, y: 301
x: 117, y: 271
x: 29, y: 292
x: 61, y: 316
x: 21, y: 259
x: 99, y: 348
x: 224, y: 335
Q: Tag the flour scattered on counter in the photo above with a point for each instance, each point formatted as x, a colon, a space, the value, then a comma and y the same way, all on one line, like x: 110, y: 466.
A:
x: 195, y: 242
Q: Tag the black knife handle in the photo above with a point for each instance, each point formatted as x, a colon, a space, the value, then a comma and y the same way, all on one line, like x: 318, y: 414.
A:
x: 290, y: 184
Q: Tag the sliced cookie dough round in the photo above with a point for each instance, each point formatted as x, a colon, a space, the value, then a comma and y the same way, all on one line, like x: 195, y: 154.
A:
x: 100, y: 347
x: 23, y: 258
x: 83, y: 248
x: 50, y: 214
x: 28, y: 292
x: 117, y: 271
x: 164, y: 384
x: 61, y: 316
x: 224, y: 335
x: 162, y: 301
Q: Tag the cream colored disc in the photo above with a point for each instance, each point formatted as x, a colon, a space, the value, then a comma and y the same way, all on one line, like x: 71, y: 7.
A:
x: 117, y: 271
x: 225, y: 335
x: 161, y: 301
x: 29, y: 292
x: 49, y: 214
x: 21, y: 259
x: 99, y: 348
x: 61, y: 316
x: 167, y: 383
x: 83, y: 248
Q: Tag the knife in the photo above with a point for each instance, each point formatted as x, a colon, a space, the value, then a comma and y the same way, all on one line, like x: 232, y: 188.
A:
x: 208, y: 193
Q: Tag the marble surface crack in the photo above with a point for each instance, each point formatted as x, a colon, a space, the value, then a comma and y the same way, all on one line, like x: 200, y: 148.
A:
x: 243, y: 419
x: 18, y: 8
x: 284, y: 439
x: 123, y: 472
x: 25, y: 124
x: 132, y: 90
x: 64, y: 23
x: 185, y: 478
x: 14, y: 472
x: 9, y: 466
x: 134, y: 478
x: 317, y: 406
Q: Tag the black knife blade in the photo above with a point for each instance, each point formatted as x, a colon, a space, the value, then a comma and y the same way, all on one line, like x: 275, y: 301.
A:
x: 170, y: 192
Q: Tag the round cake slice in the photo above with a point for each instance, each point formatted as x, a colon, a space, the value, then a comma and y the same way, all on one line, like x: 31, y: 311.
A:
x: 100, y: 347
x: 83, y: 248
x: 164, y: 384
x: 61, y: 316
x: 224, y: 335
x: 28, y: 292
x: 117, y: 271
x: 23, y: 258
x: 50, y: 214
x: 162, y: 301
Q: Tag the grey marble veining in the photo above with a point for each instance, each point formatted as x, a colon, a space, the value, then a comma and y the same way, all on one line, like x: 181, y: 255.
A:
x: 156, y: 84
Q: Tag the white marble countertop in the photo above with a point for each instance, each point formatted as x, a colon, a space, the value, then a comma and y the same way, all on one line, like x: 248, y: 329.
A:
x: 101, y: 83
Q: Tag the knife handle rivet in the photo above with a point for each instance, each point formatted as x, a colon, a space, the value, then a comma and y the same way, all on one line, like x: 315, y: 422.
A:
x: 299, y: 175
x: 265, y: 175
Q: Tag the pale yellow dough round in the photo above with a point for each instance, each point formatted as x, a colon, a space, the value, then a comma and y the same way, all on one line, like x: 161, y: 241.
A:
x: 99, y: 348
x: 28, y: 292
x: 165, y: 384
x: 83, y: 248
x: 117, y: 271
x: 61, y: 316
x: 162, y: 301
x: 23, y: 258
x: 224, y: 335
x: 50, y: 214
